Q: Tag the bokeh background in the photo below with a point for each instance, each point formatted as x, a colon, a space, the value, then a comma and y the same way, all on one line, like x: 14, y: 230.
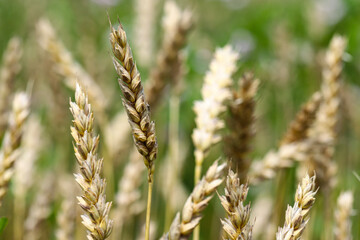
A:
x: 282, y: 42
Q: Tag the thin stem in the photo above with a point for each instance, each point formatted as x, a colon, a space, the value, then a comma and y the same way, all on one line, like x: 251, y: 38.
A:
x: 198, y: 167
x: 148, y: 210
x: 19, y: 210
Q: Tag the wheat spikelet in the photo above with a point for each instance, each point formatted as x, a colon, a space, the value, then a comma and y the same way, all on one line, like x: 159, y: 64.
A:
x: 195, y: 204
x: 241, y: 124
x: 343, y: 212
x: 176, y: 25
x: 306, y: 116
x: 215, y: 92
x: 134, y: 99
x: 298, y: 215
x: 11, y: 143
x: 144, y: 32
x: 9, y: 69
x: 236, y: 225
x: 40, y: 209
x: 67, y: 67
x: 93, y: 201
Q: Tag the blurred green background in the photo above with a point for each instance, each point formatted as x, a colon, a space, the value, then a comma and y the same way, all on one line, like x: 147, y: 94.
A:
x: 282, y: 42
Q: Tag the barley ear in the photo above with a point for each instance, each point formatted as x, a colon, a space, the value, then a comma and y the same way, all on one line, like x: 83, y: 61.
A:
x: 93, y: 201
x: 343, y: 212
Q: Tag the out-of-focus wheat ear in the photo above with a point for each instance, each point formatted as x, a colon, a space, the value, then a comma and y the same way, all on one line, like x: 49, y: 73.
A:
x: 66, y: 217
x: 128, y: 198
x: 241, y: 124
x: 10, y: 149
x: 66, y: 66
x: 343, y: 212
x: 215, y: 92
x: 297, y: 216
x: 93, y: 201
x: 304, y: 119
x: 176, y: 25
x: 146, y: 12
x: 237, y: 224
x: 10, y: 67
x: 182, y: 227
x: 40, y: 209
x: 134, y: 100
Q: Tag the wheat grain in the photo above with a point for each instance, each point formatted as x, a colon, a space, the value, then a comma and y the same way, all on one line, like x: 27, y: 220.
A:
x: 237, y: 224
x: 10, y: 147
x: 215, y: 92
x: 67, y: 67
x: 343, y: 212
x: 298, y: 215
x: 241, y: 124
x: 9, y: 69
x: 134, y: 99
x: 176, y: 25
x: 181, y: 228
x: 93, y: 201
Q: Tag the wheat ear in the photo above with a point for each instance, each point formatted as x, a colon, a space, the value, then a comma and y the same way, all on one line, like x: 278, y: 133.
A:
x: 215, y: 92
x: 10, y: 147
x: 9, y: 69
x: 67, y: 67
x: 236, y: 225
x: 304, y: 119
x: 241, y: 124
x: 343, y: 212
x: 181, y: 228
x: 137, y: 109
x: 297, y: 216
x: 93, y: 201
x: 176, y: 25
x: 134, y: 98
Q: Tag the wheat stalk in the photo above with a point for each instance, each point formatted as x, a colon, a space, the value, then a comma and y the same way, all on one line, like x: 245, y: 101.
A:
x: 176, y: 25
x: 93, y: 201
x: 10, y: 148
x: 68, y: 68
x: 236, y: 225
x: 298, y: 215
x: 241, y: 124
x: 9, y: 69
x: 195, y: 204
x: 215, y: 92
x: 343, y: 212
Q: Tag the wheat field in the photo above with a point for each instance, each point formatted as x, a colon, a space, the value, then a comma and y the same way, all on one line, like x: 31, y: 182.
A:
x: 175, y: 120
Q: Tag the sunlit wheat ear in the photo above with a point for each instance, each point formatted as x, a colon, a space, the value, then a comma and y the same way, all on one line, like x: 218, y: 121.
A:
x: 304, y: 119
x: 10, y: 149
x: 176, y: 24
x: 67, y: 67
x: 241, y: 124
x: 215, y: 92
x: 10, y: 67
x: 134, y: 99
x: 93, y: 201
x: 298, y: 216
x: 182, y: 227
x: 343, y: 212
x: 237, y: 224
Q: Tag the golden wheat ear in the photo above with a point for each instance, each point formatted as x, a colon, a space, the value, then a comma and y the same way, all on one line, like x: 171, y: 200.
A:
x: 343, y: 213
x: 93, y: 201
